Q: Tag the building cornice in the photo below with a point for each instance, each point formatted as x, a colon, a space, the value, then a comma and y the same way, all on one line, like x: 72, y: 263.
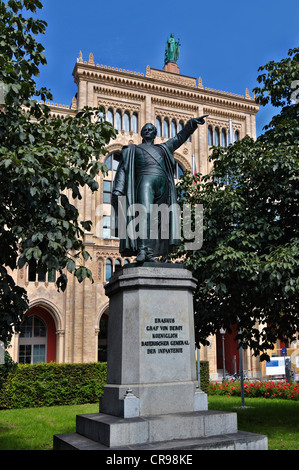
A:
x: 118, y: 81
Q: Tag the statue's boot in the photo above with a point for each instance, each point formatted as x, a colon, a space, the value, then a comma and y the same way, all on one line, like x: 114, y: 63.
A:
x: 141, y: 256
x: 149, y: 256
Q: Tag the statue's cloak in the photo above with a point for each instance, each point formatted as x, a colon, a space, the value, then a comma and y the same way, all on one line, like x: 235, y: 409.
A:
x: 125, y: 184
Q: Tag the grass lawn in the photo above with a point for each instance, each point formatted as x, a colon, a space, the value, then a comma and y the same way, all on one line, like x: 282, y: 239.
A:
x: 276, y: 418
x: 33, y: 428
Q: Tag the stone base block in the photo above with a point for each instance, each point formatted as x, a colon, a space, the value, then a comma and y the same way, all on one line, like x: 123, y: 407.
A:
x: 153, y: 399
x: 193, y: 431
x: 197, y: 430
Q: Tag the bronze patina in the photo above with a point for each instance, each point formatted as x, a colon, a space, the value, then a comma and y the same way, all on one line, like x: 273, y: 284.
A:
x: 145, y: 176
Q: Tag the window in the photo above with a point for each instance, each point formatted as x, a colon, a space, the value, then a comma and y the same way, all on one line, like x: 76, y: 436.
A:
x: 118, y: 120
x: 237, y: 136
x: 112, y: 161
x: 127, y: 121
x: 117, y: 265
x: 210, y: 135
x: 106, y: 226
x: 159, y: 127
x: 181, y: 125
x: 108, y: 273
x: 173, y: 128
x: 166, y: 128
x: 223, y: 138
x: 110, y: 116
x: 216, y: 137
x: 135, y: 123
x: 32, y: 271
x: 34, y: 276
x: 178, y: 170
x: 41, y: 277
x: 33, y: 340
x: 107, y: 191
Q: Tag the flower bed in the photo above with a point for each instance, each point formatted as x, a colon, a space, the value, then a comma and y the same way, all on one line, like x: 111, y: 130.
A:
x: 257, y: 388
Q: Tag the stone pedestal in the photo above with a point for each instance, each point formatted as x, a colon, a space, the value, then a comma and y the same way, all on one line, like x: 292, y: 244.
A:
x: 152, y: 399
x: 151, y: 352
x: 171, y: 67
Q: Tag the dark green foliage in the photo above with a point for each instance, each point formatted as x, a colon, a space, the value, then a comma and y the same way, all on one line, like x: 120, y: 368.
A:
x: 204, y: 376
x: 247, y: 268
x: 52, y: 384
x: 44, y: 164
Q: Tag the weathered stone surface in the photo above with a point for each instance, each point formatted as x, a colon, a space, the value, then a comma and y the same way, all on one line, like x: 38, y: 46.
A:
x: 151, y: 345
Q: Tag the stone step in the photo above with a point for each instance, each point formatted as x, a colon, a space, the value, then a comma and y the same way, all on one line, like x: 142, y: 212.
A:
x: 114, y: 431
x: 232, y: 441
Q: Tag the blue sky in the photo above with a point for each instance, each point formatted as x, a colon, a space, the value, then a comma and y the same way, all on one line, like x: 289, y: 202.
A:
x: 224, y: 43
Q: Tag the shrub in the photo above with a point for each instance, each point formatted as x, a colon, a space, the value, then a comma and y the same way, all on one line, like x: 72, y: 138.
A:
x: 204, y: 376
x: 53, y: 384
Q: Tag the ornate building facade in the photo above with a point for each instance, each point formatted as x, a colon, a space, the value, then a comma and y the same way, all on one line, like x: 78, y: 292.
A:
x: 72, y: 326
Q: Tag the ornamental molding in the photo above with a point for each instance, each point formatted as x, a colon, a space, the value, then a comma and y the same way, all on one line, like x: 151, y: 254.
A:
x: 115, y: 147
x: 119, y: 92
x: 104, y: 254
x: 144, y: 84
x: 170, y: 77
x: 223, y: 124
x: 163, y: 113
x: 226, y: 114
x: 174, y: 104
x: 51, y: 308
x: 115, y: 105
x: 183, y: 161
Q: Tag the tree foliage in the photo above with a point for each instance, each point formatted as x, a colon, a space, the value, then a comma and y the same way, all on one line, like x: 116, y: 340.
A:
x: 247, y: 268
x: 44, y: 164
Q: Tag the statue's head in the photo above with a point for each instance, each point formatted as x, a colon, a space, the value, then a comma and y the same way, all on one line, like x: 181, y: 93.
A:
x: 148, y: 132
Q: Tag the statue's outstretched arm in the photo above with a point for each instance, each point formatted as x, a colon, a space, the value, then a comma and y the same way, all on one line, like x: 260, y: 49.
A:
x: 188, y: 130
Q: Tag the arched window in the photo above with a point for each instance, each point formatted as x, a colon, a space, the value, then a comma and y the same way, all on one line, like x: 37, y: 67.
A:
x: 210, y: 135
x: 223, y: 138
x: 110, y: 116
x: 135, y: 123
x: 173, y: 128
x: 33, y: 340
x: 216, y: 136
x: 118, y: 120
x: 35, y: 276
x: 159, y: 127
x: 127, y: 121
x: 181, y: 125
x: 166, y: 128
x: 237, y: 136
x: 108, y: 272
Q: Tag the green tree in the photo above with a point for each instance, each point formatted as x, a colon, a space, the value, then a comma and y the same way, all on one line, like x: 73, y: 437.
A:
x: 247, y: 268
x: 44, y: 163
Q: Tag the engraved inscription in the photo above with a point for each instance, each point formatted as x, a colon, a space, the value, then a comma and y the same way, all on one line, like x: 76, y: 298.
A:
x: 164, y: 337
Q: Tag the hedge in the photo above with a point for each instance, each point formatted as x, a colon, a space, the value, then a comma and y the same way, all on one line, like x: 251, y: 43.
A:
x: 53, y: 384
x: 204, y: 376
x: 36, y: 385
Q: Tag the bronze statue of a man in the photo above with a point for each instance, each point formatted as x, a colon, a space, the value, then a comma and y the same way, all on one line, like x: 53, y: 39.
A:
x: 145, y: 176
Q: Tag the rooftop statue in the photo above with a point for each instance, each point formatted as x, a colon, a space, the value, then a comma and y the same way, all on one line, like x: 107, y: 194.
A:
x: 172, y: 49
